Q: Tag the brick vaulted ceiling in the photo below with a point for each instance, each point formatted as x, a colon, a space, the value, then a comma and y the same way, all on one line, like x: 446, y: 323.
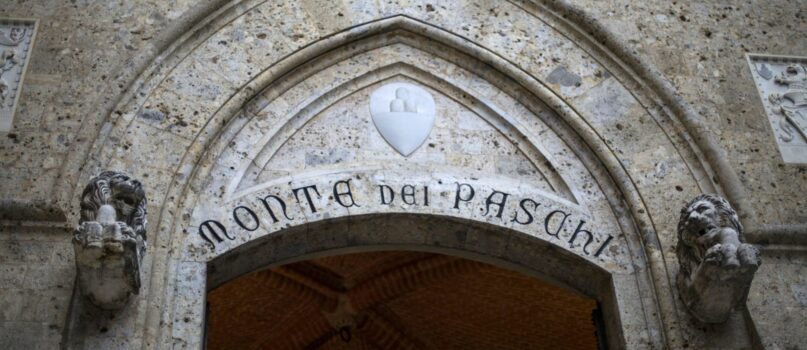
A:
x: 396, y: 300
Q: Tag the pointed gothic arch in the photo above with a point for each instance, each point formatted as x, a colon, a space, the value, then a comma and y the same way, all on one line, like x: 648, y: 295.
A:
x: 222, y: 123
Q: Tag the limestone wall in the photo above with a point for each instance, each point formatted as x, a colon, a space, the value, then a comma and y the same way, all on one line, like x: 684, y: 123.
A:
x: 81, y: 60
x: 87, y: 54
x: 699, y: 48
x: 36, y: 284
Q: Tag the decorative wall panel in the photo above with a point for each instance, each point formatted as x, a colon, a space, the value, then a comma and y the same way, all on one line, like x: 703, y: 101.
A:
x: 16, y: 41
x: 782, y: 85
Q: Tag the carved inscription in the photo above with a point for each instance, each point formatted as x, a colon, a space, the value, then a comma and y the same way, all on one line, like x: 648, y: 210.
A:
x: 782, y: 85
x: 560, y: 225
x: 16, y: 40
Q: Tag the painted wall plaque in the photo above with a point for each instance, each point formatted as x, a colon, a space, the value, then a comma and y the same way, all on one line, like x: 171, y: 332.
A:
x: 403, y: 114
x: 782, y: 85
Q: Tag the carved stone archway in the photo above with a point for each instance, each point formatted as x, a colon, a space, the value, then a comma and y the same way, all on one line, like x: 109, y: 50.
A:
x: 248, y: 152
x: 220, y: 133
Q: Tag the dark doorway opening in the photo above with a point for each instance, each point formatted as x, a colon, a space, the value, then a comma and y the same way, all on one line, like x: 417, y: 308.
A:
x: 398, y: 300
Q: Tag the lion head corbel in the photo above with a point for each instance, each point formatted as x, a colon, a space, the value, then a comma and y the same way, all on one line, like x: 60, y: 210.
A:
x: 716, y: 265
x: 110, y: 240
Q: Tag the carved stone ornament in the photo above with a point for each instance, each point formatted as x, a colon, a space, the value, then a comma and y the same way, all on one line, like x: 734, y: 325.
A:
x: 782, y: 85
x: 716, y: 265
x: 403, y: 114
x: 16, y: 41
x: 110, y: 240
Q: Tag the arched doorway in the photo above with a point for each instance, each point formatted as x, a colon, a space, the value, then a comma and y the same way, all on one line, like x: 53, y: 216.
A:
x: 256, y: 133
x: 397, y: 270
x: 398, y: 300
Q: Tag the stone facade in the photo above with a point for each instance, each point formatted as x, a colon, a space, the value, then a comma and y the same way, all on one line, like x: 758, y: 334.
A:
x: 567, y: 135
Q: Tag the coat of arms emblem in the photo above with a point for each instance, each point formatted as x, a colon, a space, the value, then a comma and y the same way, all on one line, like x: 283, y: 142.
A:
x: 782, y: 84
x: 403, y: 114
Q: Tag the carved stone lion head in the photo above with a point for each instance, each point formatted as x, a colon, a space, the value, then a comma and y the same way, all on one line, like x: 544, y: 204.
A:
x: 702, y: 214
x: 120, y: 191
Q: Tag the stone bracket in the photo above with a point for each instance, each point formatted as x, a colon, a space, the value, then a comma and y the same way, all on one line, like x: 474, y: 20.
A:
x: 716, y: 265
x: 110, y: 240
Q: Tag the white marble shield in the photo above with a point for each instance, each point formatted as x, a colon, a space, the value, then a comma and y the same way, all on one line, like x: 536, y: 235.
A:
x: 403, y: 114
